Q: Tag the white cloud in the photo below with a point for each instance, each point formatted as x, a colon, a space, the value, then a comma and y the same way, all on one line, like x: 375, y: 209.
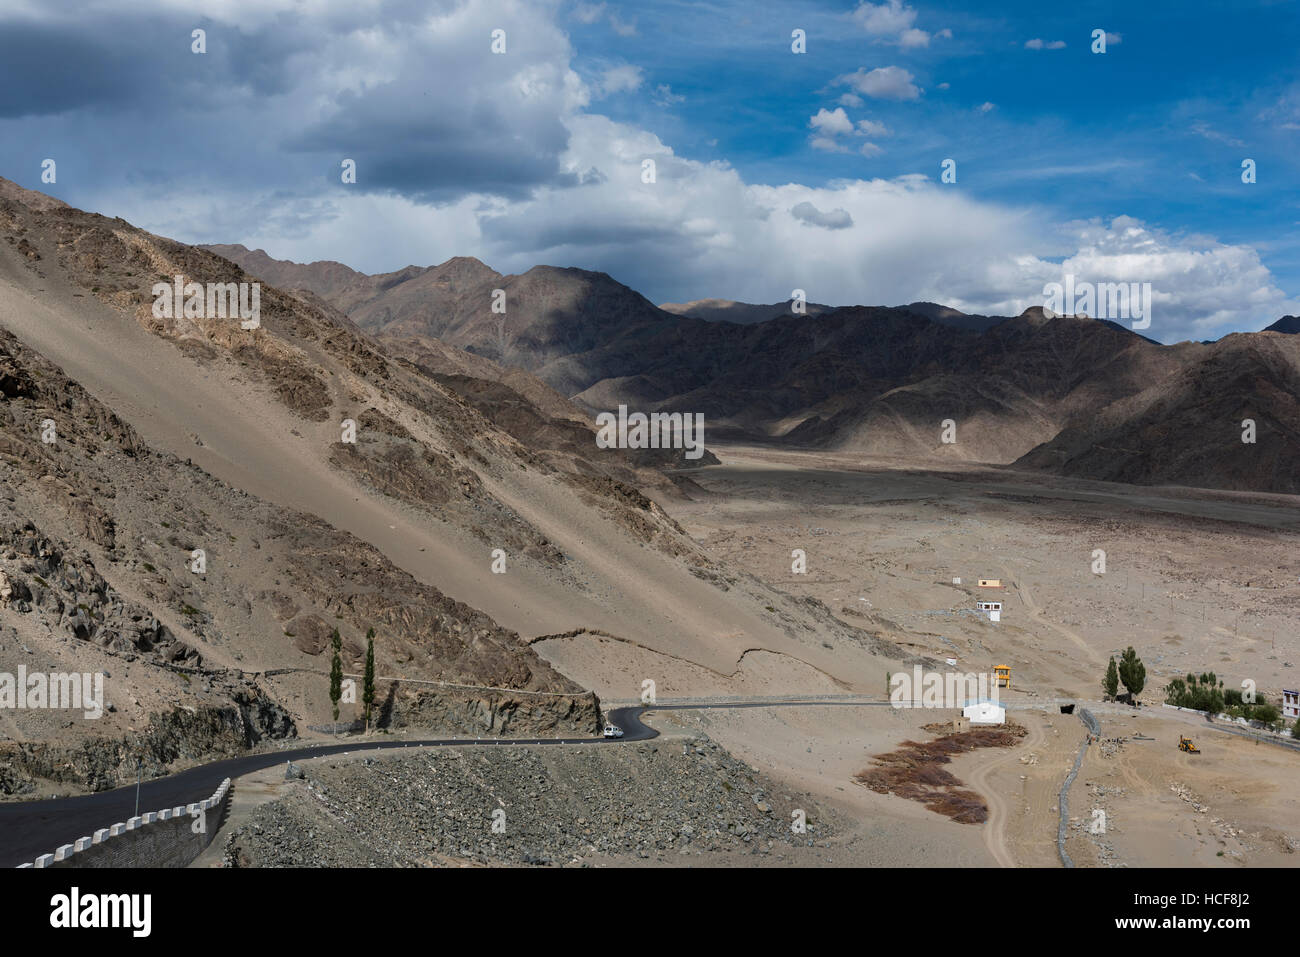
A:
x: 884, y: 83
x: 664, y: 96
x: 850, y: 99
x: 1199, y: 285
x: 1285, y: 113
x: 701, y: 229
x: 985, y: 108
x: 1038, y: 44
x: 827, y: 144
x: 913, y: 38
x: 620, y: 79
x: 1210, y: 133
x: 591, y: 12
x: 833, y: 122
x: 830, y: 124
x: 887, y: 19
x: 893, y: 22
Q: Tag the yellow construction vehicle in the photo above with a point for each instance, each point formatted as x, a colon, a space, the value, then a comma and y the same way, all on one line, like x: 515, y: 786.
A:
x: 1002, y: 675
x: 1185, y: 744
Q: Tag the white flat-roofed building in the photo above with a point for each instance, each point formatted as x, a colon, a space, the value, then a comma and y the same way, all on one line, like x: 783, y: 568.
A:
x: 985, y: 712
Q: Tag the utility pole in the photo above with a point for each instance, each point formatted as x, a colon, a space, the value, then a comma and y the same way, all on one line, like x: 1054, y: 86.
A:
x: 139, y: 764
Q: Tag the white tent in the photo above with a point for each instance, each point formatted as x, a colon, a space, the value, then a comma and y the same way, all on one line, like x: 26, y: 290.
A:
x: 985, y: 712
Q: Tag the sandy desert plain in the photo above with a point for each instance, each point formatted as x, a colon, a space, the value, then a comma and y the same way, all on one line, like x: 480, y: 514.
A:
x: 1195, y: 581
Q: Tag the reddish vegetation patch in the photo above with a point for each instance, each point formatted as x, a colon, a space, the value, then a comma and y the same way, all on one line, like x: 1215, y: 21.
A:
x: 914, y: 772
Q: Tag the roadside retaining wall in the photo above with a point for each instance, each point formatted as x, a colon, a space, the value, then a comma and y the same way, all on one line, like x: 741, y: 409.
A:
x: 172, y: 837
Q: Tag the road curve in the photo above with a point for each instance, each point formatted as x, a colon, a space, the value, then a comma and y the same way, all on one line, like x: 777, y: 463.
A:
x: 31, y: 828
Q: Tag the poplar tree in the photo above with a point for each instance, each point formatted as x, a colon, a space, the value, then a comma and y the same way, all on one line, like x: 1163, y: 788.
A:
x: 1110, y: 684
x: 336, y: 677
x: 368, y: 689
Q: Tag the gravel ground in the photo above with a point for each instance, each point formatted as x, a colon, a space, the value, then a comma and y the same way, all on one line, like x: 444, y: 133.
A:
x: 660, y: 801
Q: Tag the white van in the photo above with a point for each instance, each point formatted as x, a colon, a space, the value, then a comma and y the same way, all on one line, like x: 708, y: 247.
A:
x: 613, y: 731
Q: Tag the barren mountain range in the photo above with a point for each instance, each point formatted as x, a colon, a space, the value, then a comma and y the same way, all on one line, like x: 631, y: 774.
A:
x: 129, y: 442
x: 1070, y: 395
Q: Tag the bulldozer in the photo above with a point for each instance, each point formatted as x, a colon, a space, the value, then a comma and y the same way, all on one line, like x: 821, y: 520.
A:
x: 1185, y: 744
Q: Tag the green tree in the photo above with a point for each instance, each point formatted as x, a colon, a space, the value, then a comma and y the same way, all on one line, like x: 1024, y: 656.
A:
x: 1204, y: 692
x: 368, y: 688
x: 1295, y: 729
x: 1132, y: 672
x: 1110, y: 684
x: 336, y: 676
x: 1264, y: 711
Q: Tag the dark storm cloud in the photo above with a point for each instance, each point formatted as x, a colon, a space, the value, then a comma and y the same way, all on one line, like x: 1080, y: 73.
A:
x: 280, y: 100
x: 431, y: 153
x: 128, y: 63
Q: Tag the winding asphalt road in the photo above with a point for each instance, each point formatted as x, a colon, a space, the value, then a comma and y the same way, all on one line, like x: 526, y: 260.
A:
x: 31, y: 828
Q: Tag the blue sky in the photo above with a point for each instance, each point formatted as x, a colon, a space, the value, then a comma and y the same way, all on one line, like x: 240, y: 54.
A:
x: 774, y: 170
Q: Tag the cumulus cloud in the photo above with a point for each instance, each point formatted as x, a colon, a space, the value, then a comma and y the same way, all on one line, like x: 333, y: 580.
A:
x: 1039, y: 44
x: 810, y: 215
x: 887, y: 19
x: 507, y: 159
x: 1200, y: 287
x: 831, y: 121
x: 701, y: 230
x: 619, y: 79
x: 884, y: 83
x: 828, y: 125
x: 827, y: 144
x: 893, y: 22
x: 913, y: 38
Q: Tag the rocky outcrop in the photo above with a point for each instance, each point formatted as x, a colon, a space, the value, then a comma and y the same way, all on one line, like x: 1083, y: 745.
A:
x: 173, y: 739
x: 42, y: 577
x: 494, y: 713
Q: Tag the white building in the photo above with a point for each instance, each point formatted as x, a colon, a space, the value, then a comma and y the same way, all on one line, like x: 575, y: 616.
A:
x: 994, y: 608
x: 985, y: 712
x: 1291, y: 704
